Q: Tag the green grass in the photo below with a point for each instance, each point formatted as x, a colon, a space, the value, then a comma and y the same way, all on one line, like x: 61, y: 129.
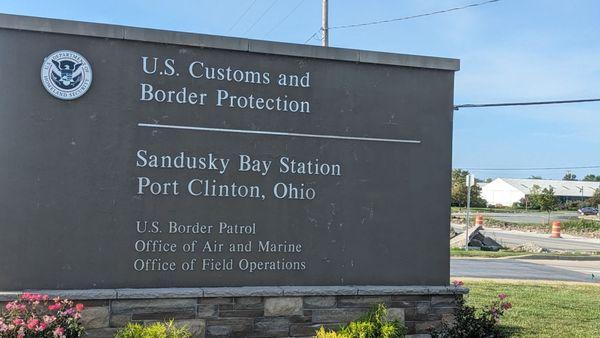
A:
x: 456, y: 252
x: 581, y: 225
x: 473, y: 209
x: 543, y: 309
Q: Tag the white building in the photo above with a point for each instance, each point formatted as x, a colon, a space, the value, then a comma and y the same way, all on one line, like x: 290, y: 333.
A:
x: 506, y: 191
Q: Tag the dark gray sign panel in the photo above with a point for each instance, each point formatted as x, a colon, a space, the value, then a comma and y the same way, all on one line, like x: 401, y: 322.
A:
x: 182, y: 166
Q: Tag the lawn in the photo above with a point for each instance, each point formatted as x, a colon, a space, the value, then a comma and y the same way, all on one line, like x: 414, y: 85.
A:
x: 543, y: 309
x: 456, y: 252
x: 502, y: 210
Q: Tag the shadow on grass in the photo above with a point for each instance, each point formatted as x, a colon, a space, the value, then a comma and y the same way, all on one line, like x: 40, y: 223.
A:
x: 510, y: 330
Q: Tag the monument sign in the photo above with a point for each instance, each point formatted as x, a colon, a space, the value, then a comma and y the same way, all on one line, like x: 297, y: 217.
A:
x: 132, y: 158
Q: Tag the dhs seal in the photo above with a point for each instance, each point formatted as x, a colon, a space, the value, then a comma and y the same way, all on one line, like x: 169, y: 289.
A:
x: 66, y: 74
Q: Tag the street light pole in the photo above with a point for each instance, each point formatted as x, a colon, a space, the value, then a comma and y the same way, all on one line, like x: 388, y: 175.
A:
x: 470, y: 180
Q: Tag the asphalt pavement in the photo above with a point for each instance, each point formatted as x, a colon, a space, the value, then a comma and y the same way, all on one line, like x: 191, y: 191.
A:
x: 571, y: 271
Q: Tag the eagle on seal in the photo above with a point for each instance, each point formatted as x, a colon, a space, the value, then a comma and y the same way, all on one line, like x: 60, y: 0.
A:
x: 66, y: 74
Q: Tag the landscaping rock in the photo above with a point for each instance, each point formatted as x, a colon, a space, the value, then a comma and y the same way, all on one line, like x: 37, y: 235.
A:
x: 476, y: 240
x: 453, y: 232
x: 529, y: 247
x: 459, y: 241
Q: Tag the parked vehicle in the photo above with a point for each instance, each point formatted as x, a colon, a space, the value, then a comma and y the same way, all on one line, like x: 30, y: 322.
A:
x: 588, y: 211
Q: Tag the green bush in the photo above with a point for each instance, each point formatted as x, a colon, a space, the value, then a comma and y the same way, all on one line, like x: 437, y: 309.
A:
x: 372, y: 325
x: 470, y: 322
x: 156, y: 330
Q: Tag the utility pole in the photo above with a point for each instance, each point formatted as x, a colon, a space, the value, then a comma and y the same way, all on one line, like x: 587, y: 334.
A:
x: 470, y: 181
x: 325, y: 25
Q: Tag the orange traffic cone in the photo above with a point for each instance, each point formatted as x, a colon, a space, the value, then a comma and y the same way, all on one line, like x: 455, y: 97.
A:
x: 555, y: 229
x: 479, y: 220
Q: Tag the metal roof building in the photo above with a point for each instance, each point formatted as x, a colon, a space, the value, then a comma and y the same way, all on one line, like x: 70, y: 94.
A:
x: 506, y: 191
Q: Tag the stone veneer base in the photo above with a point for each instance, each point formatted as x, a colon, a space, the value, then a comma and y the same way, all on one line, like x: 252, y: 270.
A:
x: 274, y: 311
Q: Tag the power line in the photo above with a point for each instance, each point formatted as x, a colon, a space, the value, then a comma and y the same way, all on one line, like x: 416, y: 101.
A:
x: 533, y: 168
x: 476, y: 105
x: 241, y: 16
x: 312, y: 36
x: 403, y: 18
x: 414, y: 16
x: 261, y: 16
x: 285, y: 18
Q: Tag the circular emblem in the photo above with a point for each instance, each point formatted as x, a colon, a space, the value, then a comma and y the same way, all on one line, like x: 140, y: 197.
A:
x: 66, y: 74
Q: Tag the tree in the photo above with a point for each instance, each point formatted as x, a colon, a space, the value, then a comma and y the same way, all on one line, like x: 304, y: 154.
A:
x: 459, y: 190
x: 594, y: 201
x: 533, y: 199
x: 569, y: 176
x: 592, y: 178
x: 548, y: 202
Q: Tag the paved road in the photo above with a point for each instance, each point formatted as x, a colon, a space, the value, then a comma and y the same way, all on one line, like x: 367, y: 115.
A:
x: 518, y: 269
x: 527, y: 217
x: 514, y: 238
x: 586, y: 267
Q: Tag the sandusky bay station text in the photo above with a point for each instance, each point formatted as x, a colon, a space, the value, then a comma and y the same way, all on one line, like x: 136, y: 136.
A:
x: 243, y: 163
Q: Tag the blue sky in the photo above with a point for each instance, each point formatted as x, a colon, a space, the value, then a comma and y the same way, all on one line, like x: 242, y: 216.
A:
x: 511, y: 50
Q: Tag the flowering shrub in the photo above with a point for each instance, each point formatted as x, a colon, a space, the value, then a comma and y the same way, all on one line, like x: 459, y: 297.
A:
x: 471, y: 322
x: 35, y: 315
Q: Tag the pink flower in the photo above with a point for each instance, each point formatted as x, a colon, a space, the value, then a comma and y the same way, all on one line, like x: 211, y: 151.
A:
x: 41, y: 327
x: 58, y: 332
x: 54, y: 306
x: 457, y: 283
x: 34, y: 297
x: 79, y: 307
x: 506, y: 305
x: 18, y: 321
x: 48, y: 319
x: 32, y: 323
x: 502, y: 296
x: 16, y: 306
